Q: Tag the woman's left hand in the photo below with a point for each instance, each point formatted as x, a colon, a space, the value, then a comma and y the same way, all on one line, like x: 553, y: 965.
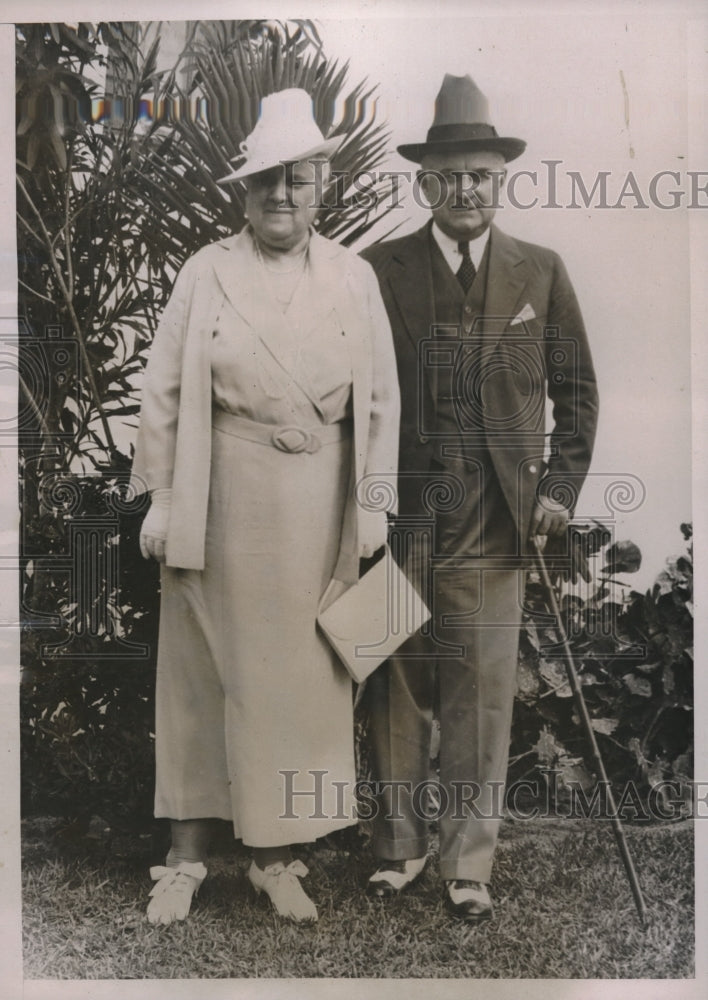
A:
x: 373, y: 532
x: 153, y: 533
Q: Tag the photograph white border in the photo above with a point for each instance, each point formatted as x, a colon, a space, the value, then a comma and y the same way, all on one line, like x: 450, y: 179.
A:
x: 696, y: 26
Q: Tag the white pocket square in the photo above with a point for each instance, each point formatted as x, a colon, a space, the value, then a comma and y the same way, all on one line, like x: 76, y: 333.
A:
x: 526, y: 313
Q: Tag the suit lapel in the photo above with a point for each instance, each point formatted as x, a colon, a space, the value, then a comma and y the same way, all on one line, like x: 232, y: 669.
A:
x: 411, y: 285
x: 507, y: 276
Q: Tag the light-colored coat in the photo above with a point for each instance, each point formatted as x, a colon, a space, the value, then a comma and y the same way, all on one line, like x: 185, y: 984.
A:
x: 173, y: 447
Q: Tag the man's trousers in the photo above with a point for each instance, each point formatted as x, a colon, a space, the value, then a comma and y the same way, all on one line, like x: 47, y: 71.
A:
x: 462, y: 667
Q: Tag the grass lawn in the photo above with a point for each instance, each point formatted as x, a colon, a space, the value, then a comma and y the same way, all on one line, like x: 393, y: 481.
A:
x: 563, y: 910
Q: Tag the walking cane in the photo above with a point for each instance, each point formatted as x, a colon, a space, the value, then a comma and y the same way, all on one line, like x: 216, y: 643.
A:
x: 589, y: 731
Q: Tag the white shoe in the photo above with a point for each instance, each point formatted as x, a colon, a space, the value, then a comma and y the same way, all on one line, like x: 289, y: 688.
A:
x: 281, y: 884
x: 171, y: 897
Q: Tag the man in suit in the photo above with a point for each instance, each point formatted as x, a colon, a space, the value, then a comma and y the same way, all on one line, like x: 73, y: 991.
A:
x: 486, y: 330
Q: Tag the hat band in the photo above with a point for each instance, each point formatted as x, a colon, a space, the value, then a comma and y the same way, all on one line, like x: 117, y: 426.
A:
x: 461, y: 132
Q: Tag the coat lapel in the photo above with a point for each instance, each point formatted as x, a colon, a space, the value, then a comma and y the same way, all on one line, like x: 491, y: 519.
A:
x: 236, y: 270
x: 314, y: 303
x: 507, y: 276
x: 240, y: 275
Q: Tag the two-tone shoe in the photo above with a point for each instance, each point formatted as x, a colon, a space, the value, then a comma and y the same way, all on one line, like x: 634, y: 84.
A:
x: 393, y: 877
x: 468, y: 900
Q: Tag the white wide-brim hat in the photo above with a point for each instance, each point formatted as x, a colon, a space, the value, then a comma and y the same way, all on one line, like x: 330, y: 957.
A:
x: 286, y: 132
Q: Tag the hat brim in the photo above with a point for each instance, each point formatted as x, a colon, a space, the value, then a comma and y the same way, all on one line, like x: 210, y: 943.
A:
x: 326, y: 149
x: 508, y: 147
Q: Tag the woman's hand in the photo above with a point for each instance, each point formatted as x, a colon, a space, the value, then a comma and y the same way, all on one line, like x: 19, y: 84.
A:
x: 373, y: 532
x: 154, y: 529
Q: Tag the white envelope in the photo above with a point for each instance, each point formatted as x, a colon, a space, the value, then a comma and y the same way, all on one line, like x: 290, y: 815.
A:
x: 368, y: 622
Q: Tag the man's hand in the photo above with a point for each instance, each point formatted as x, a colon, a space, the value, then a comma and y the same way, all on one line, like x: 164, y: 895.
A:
x: 549, y: 519
x: 567, y: 554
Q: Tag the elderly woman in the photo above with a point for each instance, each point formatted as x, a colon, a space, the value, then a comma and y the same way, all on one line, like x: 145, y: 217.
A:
x: 270, y: 391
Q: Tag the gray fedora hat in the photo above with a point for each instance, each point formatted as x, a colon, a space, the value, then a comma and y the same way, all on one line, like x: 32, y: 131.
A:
x: 461, y: 123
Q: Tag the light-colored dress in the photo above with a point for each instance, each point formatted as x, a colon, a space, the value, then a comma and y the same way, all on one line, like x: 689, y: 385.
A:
x: 253, y: 707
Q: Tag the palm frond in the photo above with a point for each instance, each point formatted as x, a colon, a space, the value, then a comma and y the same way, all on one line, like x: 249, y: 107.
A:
x: 234, y: 68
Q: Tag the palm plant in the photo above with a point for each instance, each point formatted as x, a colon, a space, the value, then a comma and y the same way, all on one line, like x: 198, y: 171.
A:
x: 228, y: 71
x: 89, y: 288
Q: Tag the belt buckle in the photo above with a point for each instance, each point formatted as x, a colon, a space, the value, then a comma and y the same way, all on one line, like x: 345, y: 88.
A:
x: 294, y: 440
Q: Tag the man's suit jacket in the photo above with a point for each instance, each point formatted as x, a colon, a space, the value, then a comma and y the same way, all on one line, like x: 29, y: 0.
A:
x: 530, y: 345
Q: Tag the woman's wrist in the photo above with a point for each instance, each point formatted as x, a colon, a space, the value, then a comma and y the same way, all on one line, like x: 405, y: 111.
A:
x: 161, y: 497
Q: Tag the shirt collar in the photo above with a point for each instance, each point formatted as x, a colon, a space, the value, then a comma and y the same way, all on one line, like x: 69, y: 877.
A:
x: 448, y: 248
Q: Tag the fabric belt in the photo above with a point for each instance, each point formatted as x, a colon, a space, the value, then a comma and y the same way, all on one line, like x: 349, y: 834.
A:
x: 285, y: 437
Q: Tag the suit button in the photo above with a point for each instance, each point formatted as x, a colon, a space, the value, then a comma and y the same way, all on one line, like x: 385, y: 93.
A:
x: 468, y: 309
x: 532, y: 468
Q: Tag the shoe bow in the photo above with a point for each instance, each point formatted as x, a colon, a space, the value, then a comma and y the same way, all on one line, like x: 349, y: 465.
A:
x: 168, y: 876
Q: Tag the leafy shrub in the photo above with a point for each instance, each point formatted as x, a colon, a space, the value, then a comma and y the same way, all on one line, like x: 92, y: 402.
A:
x: 634, y: 656
x: 89, y: 635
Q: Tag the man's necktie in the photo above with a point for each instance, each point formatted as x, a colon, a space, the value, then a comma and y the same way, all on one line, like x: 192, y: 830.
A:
x: 466, y: 270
